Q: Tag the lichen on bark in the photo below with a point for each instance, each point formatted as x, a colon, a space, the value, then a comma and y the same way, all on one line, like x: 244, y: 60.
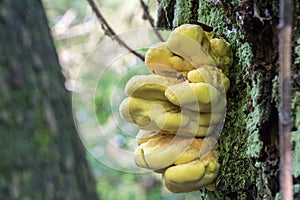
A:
x: 295, y: 105
x: 183, y: 12
x: 249, y: 141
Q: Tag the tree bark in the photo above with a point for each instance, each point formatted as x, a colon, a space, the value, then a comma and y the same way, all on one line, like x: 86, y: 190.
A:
x: 41, y: 156
x: 249, y: 144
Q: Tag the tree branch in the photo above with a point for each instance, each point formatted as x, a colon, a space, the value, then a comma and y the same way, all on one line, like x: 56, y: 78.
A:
x: 149, y: 18
x: 285, y: 32
x: 110, y: 32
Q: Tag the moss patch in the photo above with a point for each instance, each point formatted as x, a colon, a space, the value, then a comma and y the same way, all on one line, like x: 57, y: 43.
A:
x: 297, y: 52
x: 296, y: 134
x: 183, y: 12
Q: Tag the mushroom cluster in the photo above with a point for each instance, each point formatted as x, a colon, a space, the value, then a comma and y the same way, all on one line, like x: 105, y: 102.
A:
x: 180, y: 107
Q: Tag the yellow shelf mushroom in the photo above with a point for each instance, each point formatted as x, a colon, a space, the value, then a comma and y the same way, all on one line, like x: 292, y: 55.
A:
x: 180, y: 108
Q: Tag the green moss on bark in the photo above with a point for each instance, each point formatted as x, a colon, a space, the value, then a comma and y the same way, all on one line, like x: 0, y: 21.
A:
x: 297, y: 52
x: 240, y: 138
x: 296, y: 140
x: 241, y: 175
x: 183, y: 12
x: 295, y: 134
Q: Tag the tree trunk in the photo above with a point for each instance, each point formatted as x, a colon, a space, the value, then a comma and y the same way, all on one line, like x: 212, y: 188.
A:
x: 41, y: 156
x: 249, y: 146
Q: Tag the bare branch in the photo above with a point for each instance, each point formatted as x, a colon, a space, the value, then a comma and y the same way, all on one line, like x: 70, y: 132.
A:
x: 110, y: 32
x: 149, y: 18
x: 285, y: 33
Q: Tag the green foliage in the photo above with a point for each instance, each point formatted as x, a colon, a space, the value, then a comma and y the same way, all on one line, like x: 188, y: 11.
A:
x: 103, y: 96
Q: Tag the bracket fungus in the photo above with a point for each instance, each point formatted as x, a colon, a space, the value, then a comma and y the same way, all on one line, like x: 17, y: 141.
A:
x: 180, y: 108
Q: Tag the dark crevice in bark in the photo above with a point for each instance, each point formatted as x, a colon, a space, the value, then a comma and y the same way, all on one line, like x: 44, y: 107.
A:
x: 165, y: 15
x: 195, y: 7
x: 270, y: 150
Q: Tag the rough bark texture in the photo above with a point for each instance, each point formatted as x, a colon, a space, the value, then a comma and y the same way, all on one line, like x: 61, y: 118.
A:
x: 41, y: 156
x: 249, y: 148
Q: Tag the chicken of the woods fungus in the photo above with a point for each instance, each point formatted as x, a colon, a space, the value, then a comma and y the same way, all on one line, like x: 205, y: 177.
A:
x: 180, y: 106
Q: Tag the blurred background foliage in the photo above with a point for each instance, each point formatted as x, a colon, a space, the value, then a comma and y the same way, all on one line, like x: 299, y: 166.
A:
x: 76, y: 32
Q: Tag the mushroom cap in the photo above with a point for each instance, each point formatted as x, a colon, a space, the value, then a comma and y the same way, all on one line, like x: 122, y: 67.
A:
x: 200, y: 97
x: 191, y: 31
x: 186, y: 41
x: 221, y: 52
x: 193, y: 175
x: 148, y: 86
x: 160, y: 60
x: 199, y: 47
x: 161, y: 151
x: 211, y: 75
x: 152, y: 114
x: 145, y: 135
x: 159, y: 115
